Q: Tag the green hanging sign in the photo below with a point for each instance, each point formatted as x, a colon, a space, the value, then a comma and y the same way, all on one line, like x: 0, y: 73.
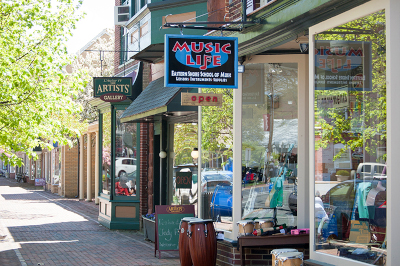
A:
x: 112, y: 89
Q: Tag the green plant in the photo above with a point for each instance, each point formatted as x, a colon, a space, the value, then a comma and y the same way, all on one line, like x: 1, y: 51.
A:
x: 343, y: 172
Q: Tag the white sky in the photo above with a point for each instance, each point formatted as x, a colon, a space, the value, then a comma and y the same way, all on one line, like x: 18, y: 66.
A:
x: 99, y: 16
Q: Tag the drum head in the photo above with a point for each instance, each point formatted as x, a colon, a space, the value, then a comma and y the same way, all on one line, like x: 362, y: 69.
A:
x: 290, y: 255
x: 245, y: 222
x: 189, y: 219
x: 201, y: 221
x: 282, y: 250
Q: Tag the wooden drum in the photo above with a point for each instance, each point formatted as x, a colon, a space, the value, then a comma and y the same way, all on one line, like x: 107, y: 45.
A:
x: 184, y: 252
x: 263, y: 223
x: 246, y: 227
x: 290, y: 259
x: 276, y: 252
x: 202, y: 242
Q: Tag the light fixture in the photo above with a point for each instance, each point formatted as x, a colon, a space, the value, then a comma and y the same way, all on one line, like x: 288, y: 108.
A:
x: 303, y: 48
x: 162, y: 154
x: 195, y: 153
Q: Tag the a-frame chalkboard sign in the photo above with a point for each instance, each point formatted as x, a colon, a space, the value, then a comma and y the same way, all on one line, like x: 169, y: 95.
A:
x: 168, y: 218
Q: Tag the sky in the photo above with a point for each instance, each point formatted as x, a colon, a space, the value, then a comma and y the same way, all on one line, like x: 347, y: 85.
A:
x: 99, y: 15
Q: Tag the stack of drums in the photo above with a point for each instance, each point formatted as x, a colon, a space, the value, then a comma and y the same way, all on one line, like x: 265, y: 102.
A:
x: 202, y: 242
x: 246, y: 227
x: 184, y: 251
x: 276, y: 252
x: 263, y: 224
x: 290, y: 259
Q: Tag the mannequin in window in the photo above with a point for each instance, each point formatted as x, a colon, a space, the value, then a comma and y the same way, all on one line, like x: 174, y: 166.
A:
x: 121, y: 188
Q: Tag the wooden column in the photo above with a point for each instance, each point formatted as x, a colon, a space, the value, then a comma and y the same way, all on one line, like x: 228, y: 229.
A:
x: 81, y: 153
x: 89, y: 168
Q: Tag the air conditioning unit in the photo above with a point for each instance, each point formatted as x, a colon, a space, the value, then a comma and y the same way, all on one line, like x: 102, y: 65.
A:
x: 121, y: 15
x: 252, y: 5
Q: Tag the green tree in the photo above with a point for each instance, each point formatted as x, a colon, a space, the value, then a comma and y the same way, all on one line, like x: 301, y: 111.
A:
x: 362, y: 126
x: 37, y: 103
x: 98, y: 62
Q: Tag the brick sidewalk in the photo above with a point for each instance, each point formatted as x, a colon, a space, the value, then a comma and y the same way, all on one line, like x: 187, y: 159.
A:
x: 42, y: 228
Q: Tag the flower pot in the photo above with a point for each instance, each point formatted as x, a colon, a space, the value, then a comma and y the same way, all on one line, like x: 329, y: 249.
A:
x: 341, y: 178
x: 149, y: 229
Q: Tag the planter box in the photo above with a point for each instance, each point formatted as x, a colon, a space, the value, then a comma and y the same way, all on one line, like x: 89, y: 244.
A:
x: 149, y: 229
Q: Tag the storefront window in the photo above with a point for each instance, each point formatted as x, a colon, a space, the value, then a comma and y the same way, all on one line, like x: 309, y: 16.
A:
x: 39, y: 166
x: 57, y: 166
x: 125, y: 158
x: 217, y: 160
x: 106, y: 156
x: 185, y: 166
x: 33, y: 170
x: 269, y: 142
x: 350, y: 140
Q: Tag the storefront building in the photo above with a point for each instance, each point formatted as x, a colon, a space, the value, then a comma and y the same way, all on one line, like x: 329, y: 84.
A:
x: 314, y: 120
x: 317, y: 123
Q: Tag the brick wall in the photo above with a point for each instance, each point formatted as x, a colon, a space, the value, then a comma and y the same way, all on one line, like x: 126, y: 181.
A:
x: 227, y: 254
x: 235, y: 10
x: 70, y: 169
x: 70, y: 174
x: 144, y: 132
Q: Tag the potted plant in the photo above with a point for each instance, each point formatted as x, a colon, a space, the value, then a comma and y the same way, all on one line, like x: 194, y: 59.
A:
x: 342, y: 175
x: 149, y: 226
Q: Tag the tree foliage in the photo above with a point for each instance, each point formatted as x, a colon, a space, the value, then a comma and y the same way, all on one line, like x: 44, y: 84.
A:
x: 97, y: 62
x: 37, y: 104
x: 362, y: 126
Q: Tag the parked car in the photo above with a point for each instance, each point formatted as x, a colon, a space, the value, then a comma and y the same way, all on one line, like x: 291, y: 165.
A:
x: 221, y: 202
x: 210, y: 179
x: 293, y: 202
x: 370, y: 170
x: 124, y: 166
x: 339, y: 202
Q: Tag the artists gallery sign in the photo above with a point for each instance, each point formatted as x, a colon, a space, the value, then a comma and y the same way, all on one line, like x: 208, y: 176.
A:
x: 201, y: 61
x: 112, y: 89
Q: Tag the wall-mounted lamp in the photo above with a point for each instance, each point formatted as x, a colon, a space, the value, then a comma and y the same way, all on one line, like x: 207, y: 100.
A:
x: 303, y: 48
x: 162, y: 154
x: 195, y: 153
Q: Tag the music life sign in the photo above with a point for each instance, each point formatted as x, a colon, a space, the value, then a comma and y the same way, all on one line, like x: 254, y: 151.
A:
x: 201, y: 61
x: 112, y: 89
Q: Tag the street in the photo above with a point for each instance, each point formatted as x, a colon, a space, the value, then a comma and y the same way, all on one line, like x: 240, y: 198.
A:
x: 41, y: 228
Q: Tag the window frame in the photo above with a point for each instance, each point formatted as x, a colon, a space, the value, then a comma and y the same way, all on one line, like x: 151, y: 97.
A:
x: 350, y: 15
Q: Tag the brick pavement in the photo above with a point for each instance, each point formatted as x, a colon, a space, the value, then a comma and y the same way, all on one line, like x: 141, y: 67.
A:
x: 42, y: 228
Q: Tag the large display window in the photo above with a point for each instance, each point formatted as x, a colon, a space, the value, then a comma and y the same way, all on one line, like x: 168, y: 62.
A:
x: 106, y: 152
x: 350, y: 139
x: 125, y: 158
x: 270, y: 142
x: 216, y: 183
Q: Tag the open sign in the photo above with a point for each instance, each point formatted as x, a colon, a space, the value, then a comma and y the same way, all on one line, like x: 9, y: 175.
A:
x: 183, y: 180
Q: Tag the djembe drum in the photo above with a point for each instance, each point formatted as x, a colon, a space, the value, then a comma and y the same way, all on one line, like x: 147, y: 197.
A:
x: 263, y: 223
x: 276, y: 252
x: 290, y: 259
x: 246, y: 227
x: 184, y: 251
x: 202, y: 242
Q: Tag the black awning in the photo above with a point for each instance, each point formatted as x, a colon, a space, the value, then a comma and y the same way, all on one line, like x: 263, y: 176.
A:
x: 157, y: 100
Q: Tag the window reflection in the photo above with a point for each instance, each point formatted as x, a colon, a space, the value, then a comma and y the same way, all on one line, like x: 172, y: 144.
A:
x: 106, y: 158
x: 125, y: 160
x: 350, y: 139
x: 217, y: 160
x: 269, y: 142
